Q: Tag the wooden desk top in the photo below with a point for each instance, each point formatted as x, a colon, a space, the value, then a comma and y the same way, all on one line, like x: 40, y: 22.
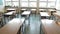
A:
x: 23, y: 9
x: 26, y: 12
x: 56, y: 14
x: 12, y: 27
x: 52, y: 10
x: 33, y: 9
x: 44, y: 14
x: 11, y: 9
x: 42, y: 9
x: 50, y: 27
x: 10, y: 13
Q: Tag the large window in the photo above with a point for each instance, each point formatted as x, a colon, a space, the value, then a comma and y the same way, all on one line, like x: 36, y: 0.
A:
x: 47, y: 3
x: 12, y: 3
x: 15, y: 0
x: 24, y: 0
x: 51, y: 4
x: 42, y: 4
x: 28, y: 3
x: 7, y: 0
x: 52, y: 0
x: 42, y: 0
x: 32, y: 0
x: 58, y: 4
x: 24, y: 4
x: 15, y: 3
x: 31, y: 3
x: 8, y: 4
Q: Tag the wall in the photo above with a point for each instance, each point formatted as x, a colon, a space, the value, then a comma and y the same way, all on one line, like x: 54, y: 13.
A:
x: 58, y: 5
x: 1, y: 5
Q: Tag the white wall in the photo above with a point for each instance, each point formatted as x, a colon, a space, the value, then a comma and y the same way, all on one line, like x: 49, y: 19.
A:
x: 2, y: 6
x: 58, y: 5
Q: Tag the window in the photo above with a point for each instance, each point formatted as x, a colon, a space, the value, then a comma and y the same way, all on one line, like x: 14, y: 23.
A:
x: 58, y: 5
x: 15, y: 3
x: 24, y: 4
x: 8, y: 3
x: 32, y: 0
x: 32, y: 4
x: 24, y: 0
x: 42, y: 4
x: 51, y: 0
x: 7, y: 0
x: 42, y: 0
x: 15, y: 0
x: 12, y: 3
x: 51, y: 4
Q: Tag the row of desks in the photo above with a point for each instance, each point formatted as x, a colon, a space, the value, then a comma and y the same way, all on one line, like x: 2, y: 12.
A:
x: 57, y: 17
x: 10, y: 13
x: 26, y: 14
x: 2, y: 18
x: 12, y: 27
x: 47, y: 14
x: 50, y: 27
x: 44, y: 15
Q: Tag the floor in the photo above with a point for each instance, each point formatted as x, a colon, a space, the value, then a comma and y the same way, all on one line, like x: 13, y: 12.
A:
x: 34, y: 27
x: 35, y: 22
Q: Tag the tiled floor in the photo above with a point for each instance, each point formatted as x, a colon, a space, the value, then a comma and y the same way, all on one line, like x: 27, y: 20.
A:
x: 34, y: 27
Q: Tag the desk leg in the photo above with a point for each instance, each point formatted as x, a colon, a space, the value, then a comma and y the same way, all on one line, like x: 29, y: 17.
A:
x: 28, y: 19
x: 4, y: 20
x: 19, y: 32
x: 23, y: 28
x: 56, y: 19
x: 1, y: 23
x: 40, y: 27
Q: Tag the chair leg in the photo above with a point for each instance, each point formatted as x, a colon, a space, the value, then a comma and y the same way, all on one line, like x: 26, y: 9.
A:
x: 1, y: 24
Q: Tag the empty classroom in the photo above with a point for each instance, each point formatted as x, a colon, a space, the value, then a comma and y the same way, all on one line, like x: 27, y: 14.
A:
x: 29, y: 16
